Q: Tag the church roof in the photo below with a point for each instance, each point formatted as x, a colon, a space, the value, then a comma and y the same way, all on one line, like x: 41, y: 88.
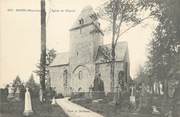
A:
x: 104, y: 52
x: 60, y: 59
x: 85, y: 15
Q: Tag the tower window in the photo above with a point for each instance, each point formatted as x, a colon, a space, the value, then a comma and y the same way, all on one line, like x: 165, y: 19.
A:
x: 93, y: 16
x: 81, y: 21
x: 77, y: 53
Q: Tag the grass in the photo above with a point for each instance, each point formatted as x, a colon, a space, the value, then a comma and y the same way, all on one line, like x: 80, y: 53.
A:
x: 15, y: 109
x: 109, y: 110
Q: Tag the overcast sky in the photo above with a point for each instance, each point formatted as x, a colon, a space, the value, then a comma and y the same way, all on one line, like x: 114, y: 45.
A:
x: 20, y: 35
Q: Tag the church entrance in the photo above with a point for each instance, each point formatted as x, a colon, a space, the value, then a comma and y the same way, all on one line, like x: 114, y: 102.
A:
x: 81, y: 79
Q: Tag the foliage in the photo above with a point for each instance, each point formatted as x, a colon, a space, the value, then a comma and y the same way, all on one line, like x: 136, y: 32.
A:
x: 166, y: 37
x: 142, y: 75
x: 51, y: 54
x: 17, y: 82
x: 120, y: 13
x: 34, y: 87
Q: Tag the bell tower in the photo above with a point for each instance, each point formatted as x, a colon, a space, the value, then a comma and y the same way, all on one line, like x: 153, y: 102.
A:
x: 85, y: 38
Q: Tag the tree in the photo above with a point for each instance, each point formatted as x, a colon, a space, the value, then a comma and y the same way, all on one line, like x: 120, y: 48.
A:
x: 142, y: 75
x: 163, y: 51
x: 119, y: 13
x: 34, y: 87
x: 17, y: 82
x: 42, y: 75
x: 51, y: 54
x: 31, y: 82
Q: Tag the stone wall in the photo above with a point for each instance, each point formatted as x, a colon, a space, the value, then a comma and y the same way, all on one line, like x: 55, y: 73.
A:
x: 57, y: 79
x: 104, y: 70
x: 82, y: 77
x: 83, y: 45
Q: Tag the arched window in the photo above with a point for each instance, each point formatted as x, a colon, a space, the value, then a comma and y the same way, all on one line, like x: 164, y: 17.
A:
x: 81, y: 21
x: 80, y: 75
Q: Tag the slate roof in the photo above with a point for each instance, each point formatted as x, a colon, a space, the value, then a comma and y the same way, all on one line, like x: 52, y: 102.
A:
x: 104, y: 52
x: 61, y: 59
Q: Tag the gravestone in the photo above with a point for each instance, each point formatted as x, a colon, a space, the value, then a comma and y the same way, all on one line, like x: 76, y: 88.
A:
x: 41, y: 95
x: 161, y: 88
x: 155, y: 111
x: 17, y: 94
x: 27, y: 106
x: 54, y: 101
x: 10, y: 92
x: 132, y: 97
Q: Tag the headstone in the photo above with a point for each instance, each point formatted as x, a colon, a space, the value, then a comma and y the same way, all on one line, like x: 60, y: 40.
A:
x: 155, y: 111
x: 54, y: 101
x: 10, y: 92
x: 171, y: 88
x: 41, y: 95
x: 27, y: 107
x: 132, y: 97
x: 17, y: 94
x: 161, y: 88
x: 156, y: 87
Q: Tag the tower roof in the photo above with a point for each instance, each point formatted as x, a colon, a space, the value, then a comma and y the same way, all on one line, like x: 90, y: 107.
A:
x: 88, y: 15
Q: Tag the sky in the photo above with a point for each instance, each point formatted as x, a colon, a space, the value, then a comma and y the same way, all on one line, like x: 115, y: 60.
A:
x: 20, y: 35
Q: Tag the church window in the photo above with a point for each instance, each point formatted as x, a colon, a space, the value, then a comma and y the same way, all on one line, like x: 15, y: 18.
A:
x: 80, y: 75
x: 93, y: 16
x: 77, y: 53
x: 81, y: 21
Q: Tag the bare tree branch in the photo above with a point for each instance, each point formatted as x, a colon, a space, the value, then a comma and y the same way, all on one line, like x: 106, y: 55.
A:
x: 133, y: 26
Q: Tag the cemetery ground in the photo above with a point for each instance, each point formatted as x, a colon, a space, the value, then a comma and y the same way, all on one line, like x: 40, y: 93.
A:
x: 107, y: 109
x: 16, y: 108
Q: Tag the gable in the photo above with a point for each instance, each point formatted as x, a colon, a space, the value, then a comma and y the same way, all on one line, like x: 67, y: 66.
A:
x: 104, y: 53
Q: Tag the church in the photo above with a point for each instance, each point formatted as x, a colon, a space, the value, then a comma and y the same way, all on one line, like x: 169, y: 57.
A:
x: 75, y: 71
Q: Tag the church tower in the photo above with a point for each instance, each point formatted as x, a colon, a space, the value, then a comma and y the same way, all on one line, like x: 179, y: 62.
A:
x: 85, y: 38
